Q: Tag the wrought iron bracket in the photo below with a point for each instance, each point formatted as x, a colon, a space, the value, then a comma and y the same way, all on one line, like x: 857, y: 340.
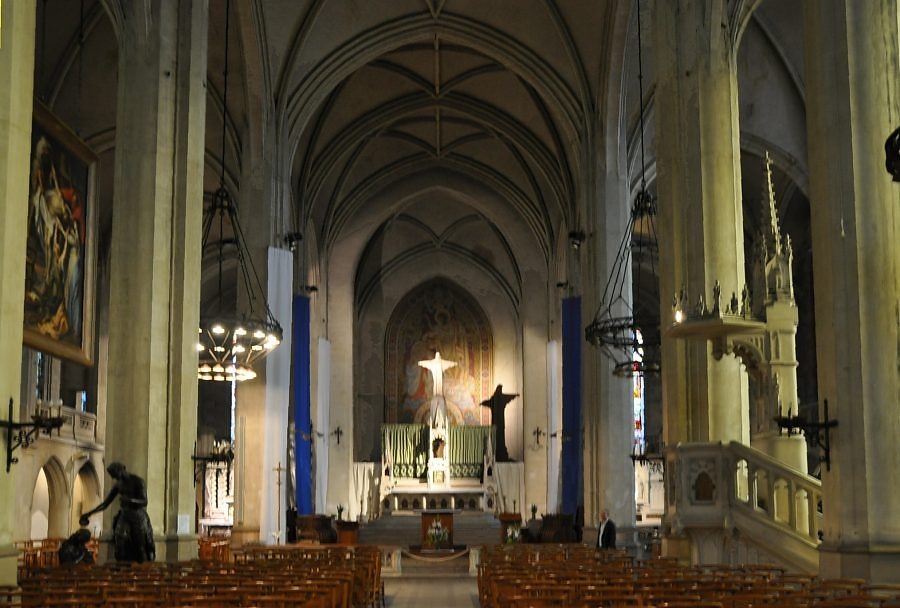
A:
x: 818, y: 433
x: 23, y: 434
x: 656, y: 461
x: 561, y: 435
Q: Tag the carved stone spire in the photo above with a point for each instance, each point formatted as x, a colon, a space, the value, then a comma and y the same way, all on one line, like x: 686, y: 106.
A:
x: 773, y: 257
x: 770, y: 210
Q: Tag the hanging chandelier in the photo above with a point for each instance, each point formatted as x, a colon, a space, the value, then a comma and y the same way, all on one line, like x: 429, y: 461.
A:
x: 632, y: 344
x: 229, y: 344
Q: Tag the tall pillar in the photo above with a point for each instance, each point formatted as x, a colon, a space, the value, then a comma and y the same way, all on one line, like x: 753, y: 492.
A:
x: 16, y: 72
x: 534, y: 410
x: 700, y: 218
x: 701, y: 222
x: 155, y: 267
x: 261, y: 432
x: 608, y: 409
x: 853, y: 103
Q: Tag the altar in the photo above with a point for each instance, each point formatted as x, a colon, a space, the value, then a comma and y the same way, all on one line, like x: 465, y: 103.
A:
x: 428, y: 468
x: 442, y: 466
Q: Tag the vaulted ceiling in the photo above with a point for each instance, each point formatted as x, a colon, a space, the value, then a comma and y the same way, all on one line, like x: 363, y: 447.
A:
x: 454, y: 125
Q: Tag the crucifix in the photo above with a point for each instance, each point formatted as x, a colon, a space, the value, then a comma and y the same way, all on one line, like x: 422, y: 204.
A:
x: 537, y: 432
x: 438, y: 406
x: 278, y: 471
x: 337, y: 433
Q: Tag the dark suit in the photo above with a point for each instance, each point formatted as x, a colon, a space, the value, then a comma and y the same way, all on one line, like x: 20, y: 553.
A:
x: 607, y: 540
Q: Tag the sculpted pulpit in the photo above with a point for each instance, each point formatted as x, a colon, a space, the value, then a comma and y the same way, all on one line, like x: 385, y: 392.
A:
x: 497, y: 403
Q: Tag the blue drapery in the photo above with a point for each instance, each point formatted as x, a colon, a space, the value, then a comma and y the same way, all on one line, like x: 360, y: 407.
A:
x: 571, y: 405
x: 302, y: 421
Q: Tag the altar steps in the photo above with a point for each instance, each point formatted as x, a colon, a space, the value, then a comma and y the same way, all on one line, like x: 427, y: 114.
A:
x: 405, y: 529
x: 456, y: 566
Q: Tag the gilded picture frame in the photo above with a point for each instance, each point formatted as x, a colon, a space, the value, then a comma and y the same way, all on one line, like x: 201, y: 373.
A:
x: 61, y: 250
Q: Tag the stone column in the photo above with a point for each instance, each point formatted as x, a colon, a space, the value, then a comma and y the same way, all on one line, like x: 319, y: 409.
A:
x: 262, y: 404
x: 16, y: 101
x: 155, y: 262
x: 853, y: 103
x: 534, y: 410
x: 608, y: 406
x: 700, y: 217
x: 701, y: 223
x: 340, y: 326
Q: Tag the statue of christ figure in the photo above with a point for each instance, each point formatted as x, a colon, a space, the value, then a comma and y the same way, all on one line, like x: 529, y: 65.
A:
x: 438, y: 406
x: 497, y: 402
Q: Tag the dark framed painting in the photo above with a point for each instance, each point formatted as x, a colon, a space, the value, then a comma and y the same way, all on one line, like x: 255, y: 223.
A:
x: 61, y: 241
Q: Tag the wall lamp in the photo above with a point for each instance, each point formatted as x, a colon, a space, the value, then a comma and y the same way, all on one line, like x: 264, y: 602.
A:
x: 22, y: 434
x: 576, y: 239
x: 561, y: 435
x: 292, y: 240
x: 817, y: 433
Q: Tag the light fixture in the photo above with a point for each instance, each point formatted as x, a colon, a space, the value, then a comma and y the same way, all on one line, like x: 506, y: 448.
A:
x: 615, y: 328
x: 576, y: 239
x: 228, y: 344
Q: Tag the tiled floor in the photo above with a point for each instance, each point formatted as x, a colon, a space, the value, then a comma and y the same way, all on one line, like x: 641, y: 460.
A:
x: 438, y: 592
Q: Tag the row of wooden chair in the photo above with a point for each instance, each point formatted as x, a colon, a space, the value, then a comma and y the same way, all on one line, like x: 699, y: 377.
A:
x: 542, y: 576
x: 37, y: 554
x: 214, y: 549
x: 324, y: 577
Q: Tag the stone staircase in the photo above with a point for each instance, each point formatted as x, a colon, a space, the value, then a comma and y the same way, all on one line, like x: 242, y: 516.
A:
x: 405, y: 529
x: 397, y: 532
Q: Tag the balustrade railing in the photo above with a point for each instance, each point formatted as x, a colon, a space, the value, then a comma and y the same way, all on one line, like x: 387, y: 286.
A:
x: 77, y: 425
x: 711, y: 486
x: 778, y: 493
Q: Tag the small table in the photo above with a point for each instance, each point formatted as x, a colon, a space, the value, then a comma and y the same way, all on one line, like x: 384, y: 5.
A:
x: 347, y: 532
x: 508, y: 521
x: 437, y: 517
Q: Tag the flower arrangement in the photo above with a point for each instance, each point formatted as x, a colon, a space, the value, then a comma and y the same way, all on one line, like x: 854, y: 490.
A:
x: 438, y: 535
x: 513, y: 534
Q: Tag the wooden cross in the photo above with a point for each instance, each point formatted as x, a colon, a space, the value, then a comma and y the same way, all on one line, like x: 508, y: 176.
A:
x: 278, y: 471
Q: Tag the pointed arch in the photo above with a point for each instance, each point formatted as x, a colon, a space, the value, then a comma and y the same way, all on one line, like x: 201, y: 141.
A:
x: 437, y: 315
x: 52, y: 493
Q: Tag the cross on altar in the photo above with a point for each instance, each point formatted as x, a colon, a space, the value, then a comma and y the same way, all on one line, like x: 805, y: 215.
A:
x: 437, y: 366
x: 438, y: 411
x: 278, y: 471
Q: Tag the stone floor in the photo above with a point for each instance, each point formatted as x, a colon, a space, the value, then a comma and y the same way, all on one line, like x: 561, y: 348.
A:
x: 437, y: 592
x: 427, y: 584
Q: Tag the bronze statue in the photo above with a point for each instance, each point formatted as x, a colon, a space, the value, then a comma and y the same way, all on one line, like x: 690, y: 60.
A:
x: 497, y: 403
x: 892, y: 154
x: 74, y: 549
x: 132, y: 532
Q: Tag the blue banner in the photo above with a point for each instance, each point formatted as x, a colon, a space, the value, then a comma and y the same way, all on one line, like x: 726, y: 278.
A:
x: 572, y: 454
x: 302, y: 421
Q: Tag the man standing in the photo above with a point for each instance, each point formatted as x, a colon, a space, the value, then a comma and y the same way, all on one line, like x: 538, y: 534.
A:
x: 606, y: 537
